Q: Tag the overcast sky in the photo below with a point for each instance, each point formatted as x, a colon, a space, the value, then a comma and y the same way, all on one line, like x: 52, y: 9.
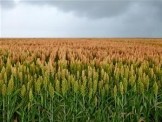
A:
x: 80, y: 18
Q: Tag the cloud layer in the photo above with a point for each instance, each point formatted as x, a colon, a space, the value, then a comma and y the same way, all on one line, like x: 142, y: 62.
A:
x: 90, y: 9
x: 92, y: 18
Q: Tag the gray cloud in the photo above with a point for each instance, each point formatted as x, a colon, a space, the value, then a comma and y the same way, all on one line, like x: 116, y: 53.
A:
x: 93, y: 9
x: 7, y: 4
x: 144, y: 19
x: 111, y: 18
x: 89, y: 8
x: 156, y: 8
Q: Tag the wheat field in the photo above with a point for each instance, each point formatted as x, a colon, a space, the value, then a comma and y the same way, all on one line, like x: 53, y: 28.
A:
x: 80, y: 80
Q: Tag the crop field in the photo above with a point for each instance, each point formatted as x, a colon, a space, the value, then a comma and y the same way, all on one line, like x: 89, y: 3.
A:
x: 80, y: 80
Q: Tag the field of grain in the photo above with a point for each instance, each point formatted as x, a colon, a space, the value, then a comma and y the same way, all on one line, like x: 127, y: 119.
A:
x: 81, y: 80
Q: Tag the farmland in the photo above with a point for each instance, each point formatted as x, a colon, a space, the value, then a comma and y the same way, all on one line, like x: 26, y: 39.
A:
x: 79, y: 80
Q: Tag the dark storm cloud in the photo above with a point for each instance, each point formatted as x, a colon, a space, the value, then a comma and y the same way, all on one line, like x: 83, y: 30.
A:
x: 102, y: 18
x: 89, y: 8
x: 144, y: 19
x: 92, y: 8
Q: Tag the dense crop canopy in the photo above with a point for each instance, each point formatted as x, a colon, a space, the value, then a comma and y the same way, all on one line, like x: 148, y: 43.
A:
x: 81, y: 80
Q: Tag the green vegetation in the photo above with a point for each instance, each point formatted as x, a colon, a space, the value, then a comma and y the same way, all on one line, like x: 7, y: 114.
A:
x: 57, y: 87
